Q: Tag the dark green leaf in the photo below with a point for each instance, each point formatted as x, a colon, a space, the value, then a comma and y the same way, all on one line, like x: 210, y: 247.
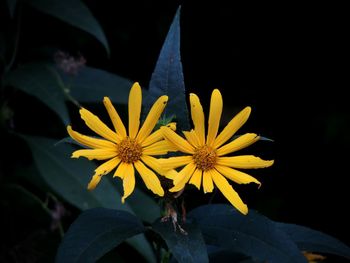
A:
x: 167, y: 77
x: 311, y: 240
x: 141, y: 244
x: 96, y: 232
x: 69, y: 177
x: 41, y: 81
x: 185, y: 248
x: 73, y: 12
x: 253, y: 235
x: 11, y: 4
x: 92, y: 84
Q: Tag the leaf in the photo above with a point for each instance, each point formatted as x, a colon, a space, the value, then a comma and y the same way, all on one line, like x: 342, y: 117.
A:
x: 253, y: 235
x: 92, y: 84
x: 140, y: 243
x: 39, y: 80
x: 11, y: 4
x: 73, y: 12
x: 168, y: 79
x: 95, y: 232
x: 314, y: 241
x: 69, y: 178
x: 185, y: 248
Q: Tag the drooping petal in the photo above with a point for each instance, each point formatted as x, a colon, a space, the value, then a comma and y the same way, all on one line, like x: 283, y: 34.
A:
x: 232, y: 127
x: 120, y: 172
x: 135, y: 101
x: 150, y: 178
x: 95, y: 124
x: 116, y: 120
x: 197, y: 115
x: 208, y: 185
x: 152, y: 118
x: 214, y: 116
x: 227, y: 190
x: 238, y: 144
x: 177, y: 140
x: 90, y: 141
x: 236, y: 176
x: 157, y: 135
x: 244, y: 162
x: 183, y: 176
x: 192, y: 138
x: 128, y: 181
x: 158, y: 148
x: 196, y: 178
x: 97, y: 154
x: 101, y: 170
x: 175, y: 162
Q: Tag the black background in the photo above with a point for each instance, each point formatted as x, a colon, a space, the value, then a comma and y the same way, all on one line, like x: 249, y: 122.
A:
x: 289, y: 62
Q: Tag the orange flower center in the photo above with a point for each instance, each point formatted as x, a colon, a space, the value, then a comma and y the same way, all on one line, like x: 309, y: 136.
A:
x: 205, y: 158
x: 129, y: 151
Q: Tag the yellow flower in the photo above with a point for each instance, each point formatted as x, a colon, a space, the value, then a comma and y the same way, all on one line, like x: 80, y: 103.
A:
x: 206, y: 158
x: 125, y: 151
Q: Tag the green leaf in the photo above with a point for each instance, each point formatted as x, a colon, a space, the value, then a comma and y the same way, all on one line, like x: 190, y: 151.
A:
x: 92, y: 84
x: 168, y: 79
x: 140, y: 243
x: 11, y: 4
x: 185, y: 248
x: 253, y: 235
x: 69, y: 177
x: 75, y: 13
x: 314, y: 241
x: 41, y: 81
x: 95, y: 232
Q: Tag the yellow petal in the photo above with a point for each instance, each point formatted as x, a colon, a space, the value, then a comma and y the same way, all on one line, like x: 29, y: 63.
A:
x: 158, y: 148
x: 227, y: 190
x: 208, y: 185
x: 183, y: 176
x: 192, y: 138
x: 90, y: 141
x: 238, y: 144
x: 108, y: 166
x: 157, y: 135
x: 113, y: 114
x: 244, y: 162
x: 128, y: 181
x: 175, y: 162
x: 97, y: 154
x: 197, y: 115
x: 196, y: 178
x: 232, y: 127
x: 121, y: 170
x: 135, y: 100
x: 177, y: 140
x: 214, y: 116
x: 152, y: 118
x: 95, y: 124
x: 95, y: 180
x: 153, y: 163
x: 150, y: 178
x: 236, y: 176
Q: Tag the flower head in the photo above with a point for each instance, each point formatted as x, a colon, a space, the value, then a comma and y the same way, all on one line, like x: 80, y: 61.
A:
x: 125, y: 150
x: 205, y: 160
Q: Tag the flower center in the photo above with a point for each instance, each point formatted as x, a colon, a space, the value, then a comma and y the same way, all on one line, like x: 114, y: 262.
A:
x: 129, y: 150
x: 205, y: 158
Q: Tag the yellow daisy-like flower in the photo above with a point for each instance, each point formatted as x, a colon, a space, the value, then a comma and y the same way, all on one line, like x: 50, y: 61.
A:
x: 206, y: 158
x: 123, y: 150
